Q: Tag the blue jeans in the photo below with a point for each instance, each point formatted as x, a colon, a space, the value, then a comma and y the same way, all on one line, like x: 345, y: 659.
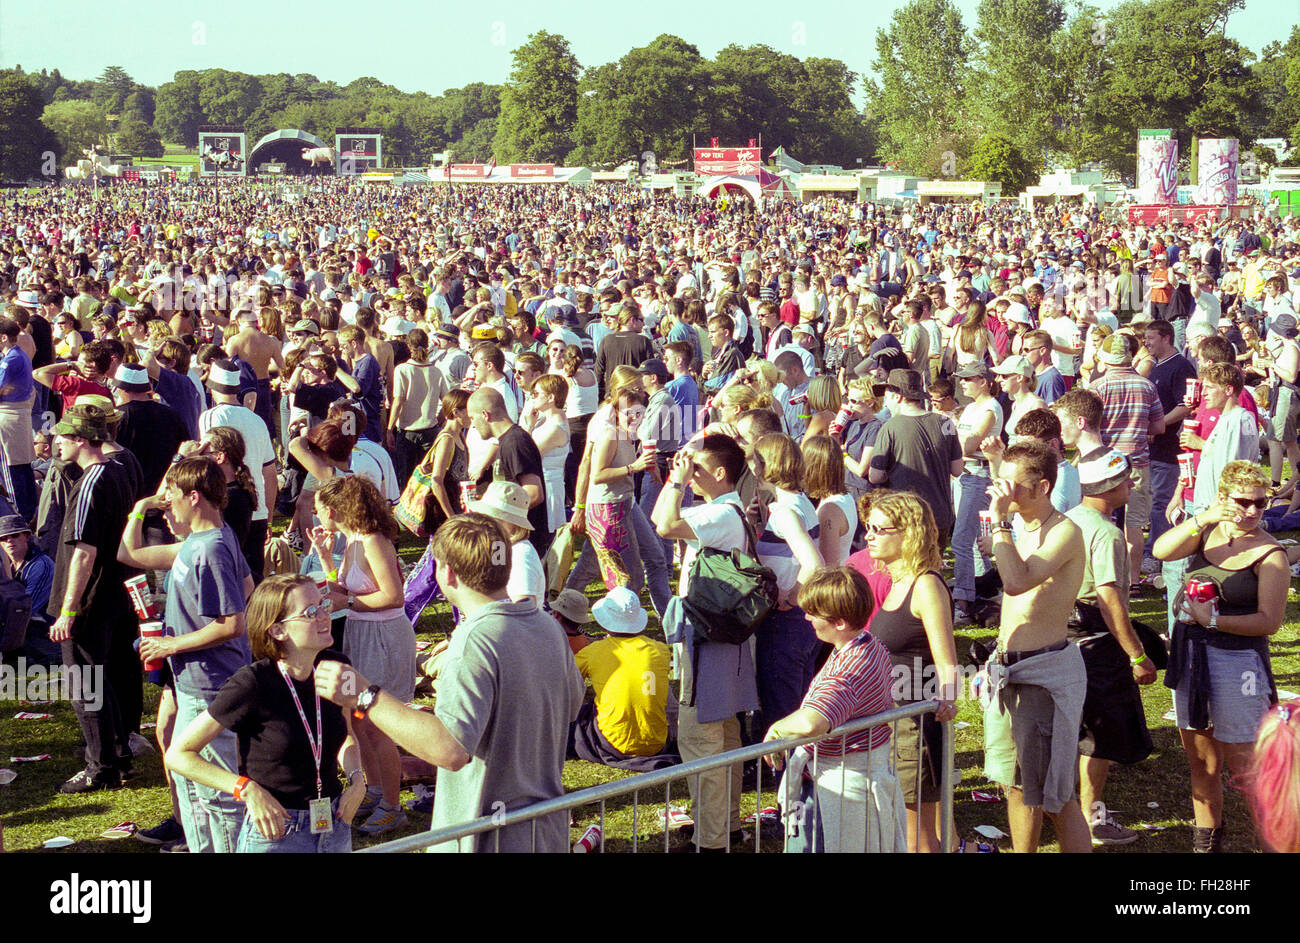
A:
x: 1164, y: 481
x: 968, y: 562
x: 786, y: 648
x: 650, y: 490
x: 211, y: 818
x: 645, y: 563
x: 297, y: 838
x: 1175, y: 576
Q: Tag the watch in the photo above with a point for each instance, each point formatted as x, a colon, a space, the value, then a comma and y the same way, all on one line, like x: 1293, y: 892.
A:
x: 1214, y: 617
x: 365, y: 701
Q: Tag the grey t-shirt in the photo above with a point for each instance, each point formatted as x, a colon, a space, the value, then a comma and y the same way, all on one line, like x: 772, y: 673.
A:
x: 205, y: 583
x: 509, y: 690
x: 1106, y: 560
x: 917, y: 453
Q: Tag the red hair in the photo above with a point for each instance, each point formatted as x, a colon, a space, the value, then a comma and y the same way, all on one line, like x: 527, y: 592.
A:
x: 1273, y: 783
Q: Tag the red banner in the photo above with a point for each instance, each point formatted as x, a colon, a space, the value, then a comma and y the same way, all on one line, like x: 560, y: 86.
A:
x: 728, y: 160
x: 532, y: 170
x: 468, y: 170
x: 1149, y: 214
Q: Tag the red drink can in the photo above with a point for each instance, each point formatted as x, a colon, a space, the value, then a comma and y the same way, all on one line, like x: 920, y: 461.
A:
x: 589, y: 841
x: 1186, y: 469
x: 468, y: 493
x: 137, y: 587
x: 152, y: 630
x: 986, y: 523
x: 840, y: 423
x: 1201, y: 590
x: 1193, y: 394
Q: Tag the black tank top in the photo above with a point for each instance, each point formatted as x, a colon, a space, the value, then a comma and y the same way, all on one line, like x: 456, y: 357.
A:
x: 903, y: 633
x: 1238, y: 589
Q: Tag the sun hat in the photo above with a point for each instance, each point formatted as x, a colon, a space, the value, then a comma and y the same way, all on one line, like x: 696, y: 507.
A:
x: 504, y: 501
x: 1015, y: 364
x: 223, y: 379
x: 12, y: 524
x: 620, y: 612
x: 85, y: 422
x: 102, y: 403
x: 132, y: 379
x: 572, y: 605
x: 1102, y: 471
x: 1115, y: 352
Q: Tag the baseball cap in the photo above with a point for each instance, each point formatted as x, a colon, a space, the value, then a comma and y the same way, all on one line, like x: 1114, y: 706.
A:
x: 656, y: 368
x: 1016, y: 363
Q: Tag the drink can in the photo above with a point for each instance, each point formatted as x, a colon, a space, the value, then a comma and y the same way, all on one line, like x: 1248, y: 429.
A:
x: 650, y: 448
x: 986, y: 523
x: 152, y: 630
x: 1192, y: 426
x: 1186, y: 469
x: 1201, y: 590
x: 468, y: 493
x: 1193, y: 394
x: 589, y: 841
x: 137, y: 587
x: 324, y: 587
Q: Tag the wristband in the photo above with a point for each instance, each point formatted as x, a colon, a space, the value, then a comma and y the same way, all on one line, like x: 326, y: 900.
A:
x: 580, y: 507
x: 332, y: 575
x: 1137, y: 661
x: 240, y: 783
x: 70, y: 613
x: 137, y: 516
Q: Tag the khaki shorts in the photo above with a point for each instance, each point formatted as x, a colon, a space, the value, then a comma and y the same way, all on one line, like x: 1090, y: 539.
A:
x: 1285, y: 414
x: 1018, y: 741
x: 1138, y: 510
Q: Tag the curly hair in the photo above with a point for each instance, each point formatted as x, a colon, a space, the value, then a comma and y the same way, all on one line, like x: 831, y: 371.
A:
x: 1242, y: 476
x: 358, y: 506
x: 921, y: 551
x: 1273, y: 783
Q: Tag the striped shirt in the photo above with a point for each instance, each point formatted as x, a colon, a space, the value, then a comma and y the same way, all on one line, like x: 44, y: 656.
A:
x: 854, y: 682
x: 1130, y: 404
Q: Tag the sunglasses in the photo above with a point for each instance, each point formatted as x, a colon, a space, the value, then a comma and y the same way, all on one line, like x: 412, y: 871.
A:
x: 311, y: 612
x: 1247, y: 503
x: 874, y: 529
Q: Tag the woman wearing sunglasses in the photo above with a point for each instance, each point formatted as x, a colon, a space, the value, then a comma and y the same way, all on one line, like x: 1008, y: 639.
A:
x: 291, y: 742
x: 1234, y: 598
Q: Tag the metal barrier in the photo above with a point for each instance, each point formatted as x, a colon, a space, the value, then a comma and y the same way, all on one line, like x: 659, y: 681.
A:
x: 643, y: 782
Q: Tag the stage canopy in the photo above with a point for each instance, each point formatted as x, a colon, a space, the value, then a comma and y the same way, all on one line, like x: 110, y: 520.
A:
x: 285, y: 147
x: 754, y: 186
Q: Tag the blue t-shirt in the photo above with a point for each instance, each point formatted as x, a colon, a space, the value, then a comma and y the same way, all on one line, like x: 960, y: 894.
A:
x: 686, y: 395
x: 206, y: 583
x: 1051, y: 385
x: 16, y: 371
x: 180, y: 394
x: 368, y: 374
x: 1067, y: 493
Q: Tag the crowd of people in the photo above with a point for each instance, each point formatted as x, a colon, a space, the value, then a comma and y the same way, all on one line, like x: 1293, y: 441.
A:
x: 243, y: 394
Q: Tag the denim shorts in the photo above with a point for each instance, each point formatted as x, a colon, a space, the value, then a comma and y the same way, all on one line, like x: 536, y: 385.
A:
x: 1239, y: 695
x: 297, y: 838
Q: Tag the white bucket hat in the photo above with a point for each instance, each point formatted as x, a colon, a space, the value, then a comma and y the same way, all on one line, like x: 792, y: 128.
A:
x: 619, y: 612
x: 504, y: 501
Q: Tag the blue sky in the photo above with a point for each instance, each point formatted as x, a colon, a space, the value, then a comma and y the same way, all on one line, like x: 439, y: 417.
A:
x: 436, y: 45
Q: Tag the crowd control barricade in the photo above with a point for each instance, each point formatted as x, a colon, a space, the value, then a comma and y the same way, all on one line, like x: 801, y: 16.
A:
x: 661, y: 782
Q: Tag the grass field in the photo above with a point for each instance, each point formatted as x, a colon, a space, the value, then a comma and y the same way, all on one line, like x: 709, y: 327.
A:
x: 32, y: 811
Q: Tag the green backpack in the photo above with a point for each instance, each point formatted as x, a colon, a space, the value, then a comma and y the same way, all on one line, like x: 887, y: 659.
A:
x: 731, y: 592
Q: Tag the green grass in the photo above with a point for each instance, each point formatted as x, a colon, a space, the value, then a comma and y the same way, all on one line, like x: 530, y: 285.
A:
x: 32, y: 811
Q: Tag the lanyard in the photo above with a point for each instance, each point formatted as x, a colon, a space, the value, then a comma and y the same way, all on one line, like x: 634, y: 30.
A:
x: 316, y: 742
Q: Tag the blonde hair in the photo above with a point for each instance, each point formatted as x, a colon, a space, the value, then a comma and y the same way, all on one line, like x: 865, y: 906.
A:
x: 824, y: 394
x: 823, y: 467
x: 621, y: 378
x: 741, y: 397
x: 921, y: 551
x: 1242, y: 476
x: 864, y: 388
x: 780, y: 462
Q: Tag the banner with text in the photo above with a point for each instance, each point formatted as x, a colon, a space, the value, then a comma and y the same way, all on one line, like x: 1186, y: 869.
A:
x: 468, y: 170
x: 532, y: 170
x: 716, y: 161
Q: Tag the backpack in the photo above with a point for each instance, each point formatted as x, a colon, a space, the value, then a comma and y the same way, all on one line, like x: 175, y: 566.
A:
x: 15, y: 614
x: 731, y: 592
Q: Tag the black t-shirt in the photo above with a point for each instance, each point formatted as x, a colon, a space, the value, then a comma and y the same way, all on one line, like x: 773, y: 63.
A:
x: 43, y: 338
x: 1170, y: 378
x: 316, y: 399
x: 134, y: 472
x: 274, y: 751
x: 96, y: 515
x: 152, y: 432
x: 518, y: 456
x: 239, y: 510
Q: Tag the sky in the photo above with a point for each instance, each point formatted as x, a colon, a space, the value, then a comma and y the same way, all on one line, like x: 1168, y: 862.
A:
x: 432, y: 45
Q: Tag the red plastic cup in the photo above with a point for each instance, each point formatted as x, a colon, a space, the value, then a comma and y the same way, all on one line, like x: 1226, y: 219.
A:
x: 589, y: 841
x: 1186, y: 469
x: 1193, y: 393
x: 1192, y: 426
x: 137, y: 588
x: 468, y: 493
x: 152, y: 630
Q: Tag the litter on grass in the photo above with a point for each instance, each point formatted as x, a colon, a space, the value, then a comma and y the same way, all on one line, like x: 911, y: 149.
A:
x: 121, y: 830
x: 960, y: 725
x: 28, y: 715
x: 979, y: 795
x: 990, y: 831
x: 60, y: 841
x: 29, y: 759
x: 7, y: 776
x: 1153, y: 805
x: 1169, y: 715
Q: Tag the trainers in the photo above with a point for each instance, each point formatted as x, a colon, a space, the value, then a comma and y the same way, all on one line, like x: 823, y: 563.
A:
x: 84, y: 782
x: 369, y: 803
x: 383, y: 820
x: 141, y: 745
x: 1111, y: 832
x: 169, y: 830
x: 177, y: 847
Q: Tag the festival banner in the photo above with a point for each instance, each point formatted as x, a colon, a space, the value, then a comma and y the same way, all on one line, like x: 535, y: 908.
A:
x: 532, y: 170
x: 718, y: 161
x: 358, y: 150
x: 468, y: 170
x: 1157, y: 176
x: 1217, y: 170
x: 222, y: 151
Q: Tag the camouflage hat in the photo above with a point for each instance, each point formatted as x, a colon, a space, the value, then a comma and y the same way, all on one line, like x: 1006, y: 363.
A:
x: 84, y: 422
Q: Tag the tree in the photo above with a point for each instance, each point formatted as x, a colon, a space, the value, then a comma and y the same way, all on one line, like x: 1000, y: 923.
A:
x: 138, y: 139
x: 1012, y: 80
x: 27, y: 146
x: 112, y: 88
x: 140, y: 105
x: 1279, y: 104
x: 539, y: 105
x: 919, y: 105
x: 995, y: 158
x: 78, y: 125
x: 651, y: 99
x: 177, y: 114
